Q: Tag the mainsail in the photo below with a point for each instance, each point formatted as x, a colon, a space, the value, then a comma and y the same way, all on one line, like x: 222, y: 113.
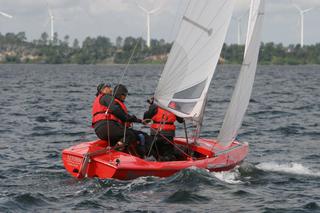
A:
x: 241, y: 95
x: 185, y: 80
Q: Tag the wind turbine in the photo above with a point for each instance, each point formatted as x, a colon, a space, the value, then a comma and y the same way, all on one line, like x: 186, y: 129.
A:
x: 302, y: 12
x: 6, y: 15
x: 239, y: 23
x: 51, y: 19
x: 148, y: 13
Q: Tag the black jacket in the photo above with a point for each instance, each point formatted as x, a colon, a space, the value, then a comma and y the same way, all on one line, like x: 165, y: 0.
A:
x: 153, y: 110
x: 116, y: 109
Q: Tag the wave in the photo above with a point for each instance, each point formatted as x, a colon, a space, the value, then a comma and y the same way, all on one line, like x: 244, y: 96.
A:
x: 231, y: 177
x: 189, y: 178
x: 311, y: 206
x: 289, y: 130
x: 291, y: 168
x: 24, y: 202
x: 187, y: 197
x: 92, y: 204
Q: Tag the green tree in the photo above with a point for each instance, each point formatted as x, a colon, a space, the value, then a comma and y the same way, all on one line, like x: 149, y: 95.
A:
x: 66, y: 40
x: 76, y: 45
x: 44, y: 38
x: 119, y: 41
x: 21, y: 36
x: 55, y: 40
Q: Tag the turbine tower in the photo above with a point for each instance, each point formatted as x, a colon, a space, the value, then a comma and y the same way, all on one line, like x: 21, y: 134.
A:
x: 302, y: 12
x: 51, y: 25
x: 6, y: 15
x: 239, y: 23
x: 238, y: 19
x: 148, y: 13
x: 51, y: 19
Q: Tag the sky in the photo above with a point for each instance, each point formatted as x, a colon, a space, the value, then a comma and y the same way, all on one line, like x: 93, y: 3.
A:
x: 112, y: 18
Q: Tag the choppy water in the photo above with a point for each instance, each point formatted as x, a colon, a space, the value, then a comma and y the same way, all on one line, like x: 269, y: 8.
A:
x: 46, y: 108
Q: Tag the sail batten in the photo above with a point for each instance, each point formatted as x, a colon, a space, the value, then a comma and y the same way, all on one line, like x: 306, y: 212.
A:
x: 191, y: 64
x: 242, y: 92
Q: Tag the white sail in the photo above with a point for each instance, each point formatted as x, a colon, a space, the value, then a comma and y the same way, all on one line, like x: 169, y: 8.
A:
x: 191, y: 64
x: 241, y: 95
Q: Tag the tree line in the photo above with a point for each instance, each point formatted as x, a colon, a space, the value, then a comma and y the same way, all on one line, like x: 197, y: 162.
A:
x: 14, y: 48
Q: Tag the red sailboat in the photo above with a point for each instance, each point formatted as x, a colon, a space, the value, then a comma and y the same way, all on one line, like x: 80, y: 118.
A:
x: 93, y: 159
x: 183, y: 90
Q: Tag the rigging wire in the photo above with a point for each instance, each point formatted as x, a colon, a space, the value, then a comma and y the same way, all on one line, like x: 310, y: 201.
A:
x: 120, y: 80
x: 164, y: 137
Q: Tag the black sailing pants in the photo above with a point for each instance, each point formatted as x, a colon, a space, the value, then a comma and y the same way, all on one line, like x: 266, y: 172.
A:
x: 112, y: 131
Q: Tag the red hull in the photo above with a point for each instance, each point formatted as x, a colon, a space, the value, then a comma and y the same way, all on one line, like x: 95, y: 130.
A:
x: 120, y: 165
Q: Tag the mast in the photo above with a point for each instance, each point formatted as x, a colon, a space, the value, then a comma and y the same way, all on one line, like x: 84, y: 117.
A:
x: 200, y: 121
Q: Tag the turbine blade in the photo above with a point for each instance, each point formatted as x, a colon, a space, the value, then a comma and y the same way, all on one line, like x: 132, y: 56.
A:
x: 307, y: 10
x: 6, y: 15
x: 49, y: 9
x: 154, y: 10
x: 142, y: 8
x: 298, y: 8
x: 61, y: 18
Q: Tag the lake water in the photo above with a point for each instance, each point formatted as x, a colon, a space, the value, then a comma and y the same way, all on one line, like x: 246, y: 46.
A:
x: 46, y: 108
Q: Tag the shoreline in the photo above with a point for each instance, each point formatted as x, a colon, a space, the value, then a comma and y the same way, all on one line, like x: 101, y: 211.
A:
x: 146, y: 64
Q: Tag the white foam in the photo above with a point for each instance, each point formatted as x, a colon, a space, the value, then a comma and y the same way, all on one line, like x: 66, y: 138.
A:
x: 138, y: 181
x: 291, y: 168
x: 231, y: 177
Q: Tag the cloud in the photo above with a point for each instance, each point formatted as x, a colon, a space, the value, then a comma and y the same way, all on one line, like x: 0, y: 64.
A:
x: 304, y: 4
x: 99, y: 7
x: 81, y: 18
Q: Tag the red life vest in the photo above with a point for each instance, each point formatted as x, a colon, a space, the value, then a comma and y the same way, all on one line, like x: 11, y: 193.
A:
x: 164, y: 120
x: 99, y: 112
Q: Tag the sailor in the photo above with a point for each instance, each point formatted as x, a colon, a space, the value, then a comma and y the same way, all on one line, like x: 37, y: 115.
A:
x: 110, y: 118
x: 163, y: 128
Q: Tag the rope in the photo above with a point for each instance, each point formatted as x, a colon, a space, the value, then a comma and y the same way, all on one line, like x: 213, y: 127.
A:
x: 124, y: 133
x: 155, y: 138
x: 164, y: 137
x: 120, y: 80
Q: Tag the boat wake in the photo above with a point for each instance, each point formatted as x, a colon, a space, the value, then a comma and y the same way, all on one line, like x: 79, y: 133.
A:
x: 231, y: 177
x: 291, y: 168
